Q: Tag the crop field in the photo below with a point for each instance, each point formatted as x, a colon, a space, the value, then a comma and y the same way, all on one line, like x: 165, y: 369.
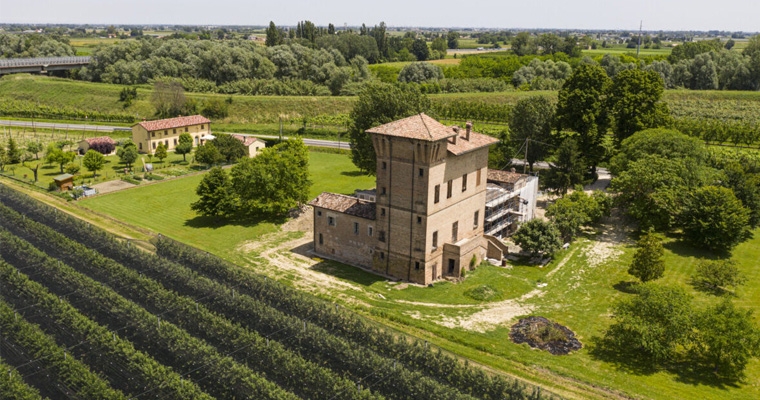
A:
x: 105, y: 320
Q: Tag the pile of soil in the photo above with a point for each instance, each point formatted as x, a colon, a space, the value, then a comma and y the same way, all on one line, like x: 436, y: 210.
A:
x: 539, y: 332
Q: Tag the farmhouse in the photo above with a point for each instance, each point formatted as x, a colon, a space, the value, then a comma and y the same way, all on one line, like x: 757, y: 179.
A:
x: 252, y: 144
x: 148, y: 134
x: 103, y: 144
x: 425, y: 220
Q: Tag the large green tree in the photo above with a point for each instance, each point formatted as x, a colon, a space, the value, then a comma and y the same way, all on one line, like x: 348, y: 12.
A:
x: 716, y: 275
x: 649, y: 259
x: 55, y: 155
x: 538, y: 237
x: 217, y: 198
x: 274, y: 36
x: 726, y: 339
x: 94, y: 161
x: 380, y: 103
x: 581, y: 109
x: 127, y: 153
x: 714, y: 218
x: 13, y: 152
x: 667, y: 143
x: 161, y: 152
x: 530, y: 122
x: 635, y: 102
x: 654, y: 324
x: 274, y: 181
x: 208, y: 154
x: 230, y: 148
x: 571, y: 212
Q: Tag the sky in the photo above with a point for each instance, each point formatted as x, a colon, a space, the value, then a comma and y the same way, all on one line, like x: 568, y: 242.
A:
x: 737, y: 15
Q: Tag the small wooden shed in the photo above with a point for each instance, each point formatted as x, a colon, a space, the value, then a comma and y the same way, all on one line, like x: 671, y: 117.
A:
x: 64, y: 182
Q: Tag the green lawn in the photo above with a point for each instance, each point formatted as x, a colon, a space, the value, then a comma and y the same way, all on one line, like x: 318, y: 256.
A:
x: 164, y: 207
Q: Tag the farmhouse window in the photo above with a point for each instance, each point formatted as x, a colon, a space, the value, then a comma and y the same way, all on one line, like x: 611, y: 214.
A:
x: 319, y: 213
x: 175, y: 142
x: 140, y: 146
x: 174, y: 131
x: 437, y: 194
x: 185, y: 129
x: 449, y: 185
x: 154, y: 145
x: 202, y: 126
x: 331, y: 221
x: 153, y: 134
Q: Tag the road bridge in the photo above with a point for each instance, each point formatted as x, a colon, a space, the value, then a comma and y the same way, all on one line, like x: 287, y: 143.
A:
x: 41, y: 64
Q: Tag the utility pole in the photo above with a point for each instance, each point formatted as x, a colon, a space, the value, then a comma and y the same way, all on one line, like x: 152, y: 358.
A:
x: 525, y: 164
x: 641, y: 24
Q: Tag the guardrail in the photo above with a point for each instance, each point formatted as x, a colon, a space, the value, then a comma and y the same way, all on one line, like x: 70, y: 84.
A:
x: 42, y: 61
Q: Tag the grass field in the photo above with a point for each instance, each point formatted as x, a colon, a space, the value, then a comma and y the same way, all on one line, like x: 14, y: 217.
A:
x: 580, y: 286
x: 165, y: 207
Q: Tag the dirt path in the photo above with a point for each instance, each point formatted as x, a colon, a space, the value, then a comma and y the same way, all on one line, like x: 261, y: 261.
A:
x: 112, y: 186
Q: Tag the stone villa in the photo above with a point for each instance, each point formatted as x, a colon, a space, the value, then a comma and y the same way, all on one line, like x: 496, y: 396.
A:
x: 148, y: 134
x: 426, y: 218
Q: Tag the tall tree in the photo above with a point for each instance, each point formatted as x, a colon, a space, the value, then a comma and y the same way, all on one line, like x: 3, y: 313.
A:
x: 13, y: 152
x: 217, y: 198
x: 273, y: 35
x: 380, y: 103
x: 530, y: 122
x: 168, y: 99
x: 654, y: 324
x: 420, y: 49
x: 726, y: 338
x: 161, y: 153
x: 127, y: 153
x: 275, y: 181
x: 208, y: 154
x: 648, y: 261
x: 714, y: 218
x: 452, y: 39
x: 55, y: 155
x: 93, y: 161
x: 185, y: 145
x: 568, y: 170
x: 635, y: 102
x: 581, y: 108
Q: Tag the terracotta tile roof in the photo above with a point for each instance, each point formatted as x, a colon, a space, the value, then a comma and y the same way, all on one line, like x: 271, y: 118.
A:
x: 247, y: 140
x: 170, y: 123
x: 418, y: 126
x: 345, y: 204
x: 476, y: 141
x: 100, y: 139
x: 496, y: 175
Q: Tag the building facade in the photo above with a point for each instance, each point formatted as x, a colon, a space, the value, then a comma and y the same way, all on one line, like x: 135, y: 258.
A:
x: 510, y: 201
x: 427, y: 221
x: 147, y: 135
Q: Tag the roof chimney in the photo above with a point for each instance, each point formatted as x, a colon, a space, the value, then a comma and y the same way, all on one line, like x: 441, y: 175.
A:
x: 513, y: 170
x: 468, y: 127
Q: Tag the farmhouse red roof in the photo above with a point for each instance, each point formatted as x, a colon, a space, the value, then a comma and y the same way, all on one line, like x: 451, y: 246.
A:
x: 100, y: 139
x: 247, y: 140
x: 418, y: 126
x: 345, y: 204
x: 462, y: 145
x: 171, y: 123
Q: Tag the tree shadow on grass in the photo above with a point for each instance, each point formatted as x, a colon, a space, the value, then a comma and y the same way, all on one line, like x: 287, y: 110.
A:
x: 244, y: 221
x: 352, y: 173
x: 629, y: 287
x: 633, y: 361
x: 681, y: 247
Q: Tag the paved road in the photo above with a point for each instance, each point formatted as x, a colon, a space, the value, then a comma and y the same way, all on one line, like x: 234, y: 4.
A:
x: 105, y: 128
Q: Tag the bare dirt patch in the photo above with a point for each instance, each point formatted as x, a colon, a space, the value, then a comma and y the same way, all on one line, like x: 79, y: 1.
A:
x: 606, y: 245
x: 112, y: 186
x: 541, y: 333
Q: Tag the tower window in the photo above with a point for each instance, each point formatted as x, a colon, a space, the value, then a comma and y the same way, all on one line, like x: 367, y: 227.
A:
x: 455, y: 231
x: 320, y: 239
x: 382, y: 212
x: 476, y: 219
x: 370, y: 231
x: 437, y: 194
x: 464, y: 182
x: 477, y: 178
x: 449, y: 185
x: 422, y: 172
x: 331, y: 221
x: 385, y: 165
x: 435, y: 240
x: 384, y: 191
x: 381, y: 236
x: 416, y: 265
x: 419, y: 220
